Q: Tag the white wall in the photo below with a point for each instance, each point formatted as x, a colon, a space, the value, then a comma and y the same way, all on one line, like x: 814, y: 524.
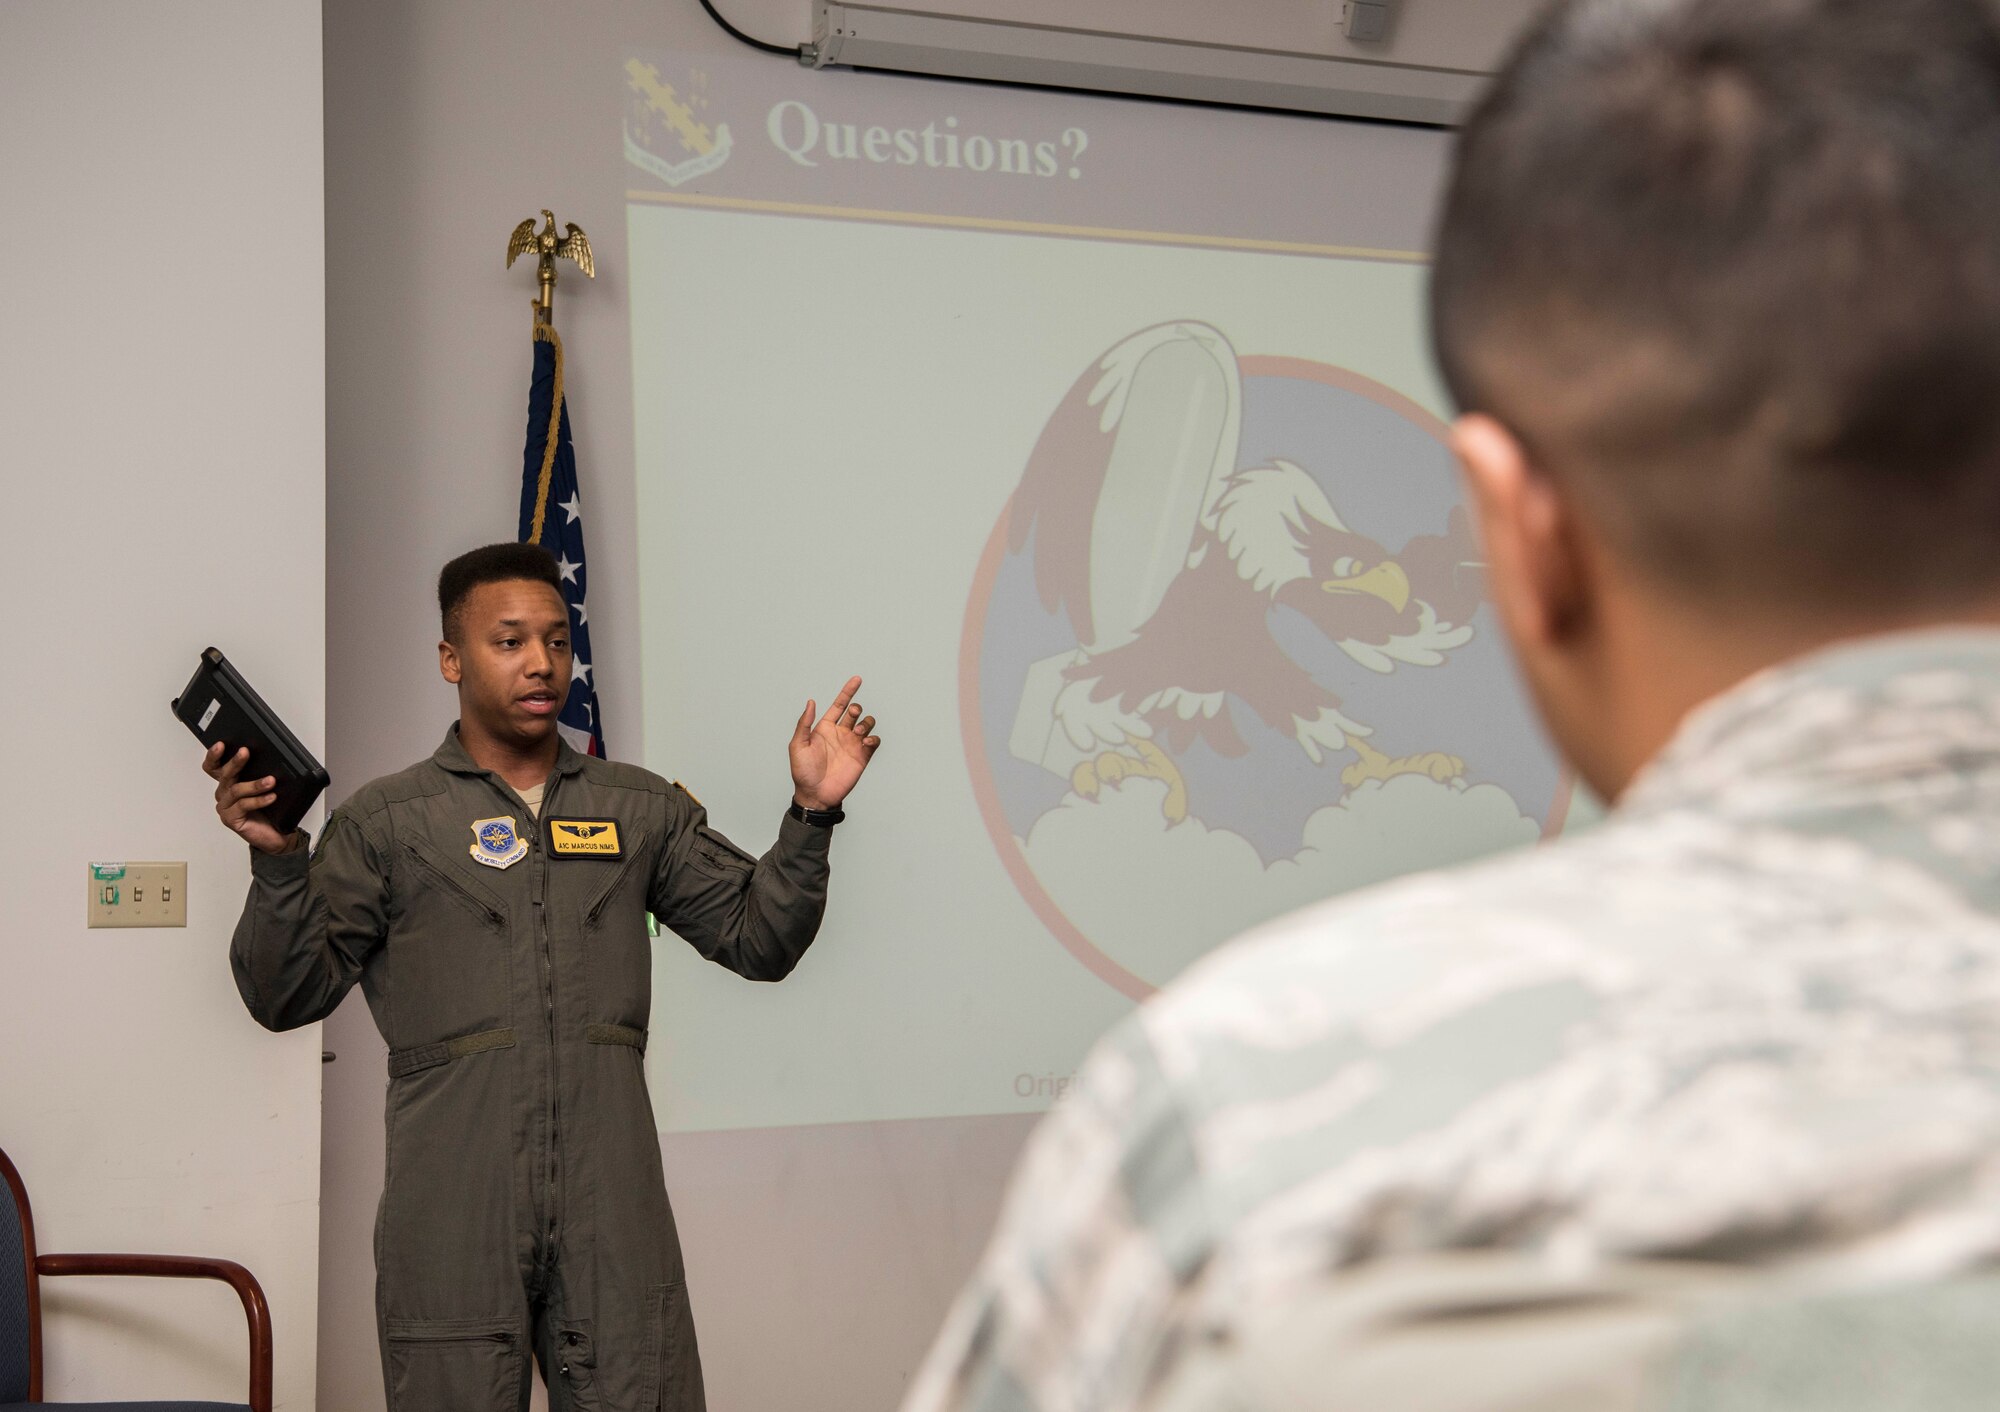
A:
x: 161, y: 452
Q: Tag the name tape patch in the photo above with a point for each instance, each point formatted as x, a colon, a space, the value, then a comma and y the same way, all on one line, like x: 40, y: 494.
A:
x: 584, y: 838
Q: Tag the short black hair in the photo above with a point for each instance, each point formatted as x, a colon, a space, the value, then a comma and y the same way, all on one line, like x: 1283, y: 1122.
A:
x: 1730, y: 269
x: 492, y: 563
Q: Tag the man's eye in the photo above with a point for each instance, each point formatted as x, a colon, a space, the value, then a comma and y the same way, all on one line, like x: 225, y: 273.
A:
x: 510, y: 642
x: 561, y: 644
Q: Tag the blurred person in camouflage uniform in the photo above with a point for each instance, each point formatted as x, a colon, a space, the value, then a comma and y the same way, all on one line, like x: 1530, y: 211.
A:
x: 1718, y: 291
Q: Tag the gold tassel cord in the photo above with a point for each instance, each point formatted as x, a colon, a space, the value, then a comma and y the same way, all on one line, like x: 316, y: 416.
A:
x: 544, y: 333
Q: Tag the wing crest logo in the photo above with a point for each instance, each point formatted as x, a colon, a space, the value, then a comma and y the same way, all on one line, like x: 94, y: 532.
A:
x: 665, y: 136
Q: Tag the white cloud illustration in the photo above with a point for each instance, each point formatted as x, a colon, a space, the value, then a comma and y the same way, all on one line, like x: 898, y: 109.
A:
x: 1155, y: 897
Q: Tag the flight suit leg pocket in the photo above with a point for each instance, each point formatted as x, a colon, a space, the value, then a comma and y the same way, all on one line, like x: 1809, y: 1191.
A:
x: 575, y: 1367
x: 673, y: 1364
x: 453, y: 1365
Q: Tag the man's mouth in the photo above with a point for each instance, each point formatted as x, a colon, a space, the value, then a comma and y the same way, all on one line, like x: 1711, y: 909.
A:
x: 541, y: 703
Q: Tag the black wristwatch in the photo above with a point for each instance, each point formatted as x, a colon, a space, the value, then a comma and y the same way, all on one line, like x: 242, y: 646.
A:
x: 816, y: 818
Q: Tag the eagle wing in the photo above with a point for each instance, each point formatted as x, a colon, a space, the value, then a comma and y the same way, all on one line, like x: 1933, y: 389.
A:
x: 576, y: 245
x: 521, y: 242
x: 1127, y: 473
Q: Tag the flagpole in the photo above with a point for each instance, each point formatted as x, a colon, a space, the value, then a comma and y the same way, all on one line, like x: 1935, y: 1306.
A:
x: 548, y: 247
x: 551, y: 508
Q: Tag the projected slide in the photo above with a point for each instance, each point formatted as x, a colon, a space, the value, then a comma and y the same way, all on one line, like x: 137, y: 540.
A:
x: 1224, y: 659
x: 1114, y: 463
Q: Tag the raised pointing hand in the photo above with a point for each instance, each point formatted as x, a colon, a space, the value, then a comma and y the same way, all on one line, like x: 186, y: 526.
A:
x: 828, y: 757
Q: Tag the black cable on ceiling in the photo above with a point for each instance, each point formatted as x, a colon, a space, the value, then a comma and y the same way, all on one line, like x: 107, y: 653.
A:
x: 735, y: 33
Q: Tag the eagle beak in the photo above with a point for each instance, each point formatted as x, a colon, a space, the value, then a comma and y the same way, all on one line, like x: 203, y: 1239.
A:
x: 1385, y: 581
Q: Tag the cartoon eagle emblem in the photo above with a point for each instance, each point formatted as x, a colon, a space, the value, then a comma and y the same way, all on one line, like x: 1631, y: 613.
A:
x: 1167, y: 560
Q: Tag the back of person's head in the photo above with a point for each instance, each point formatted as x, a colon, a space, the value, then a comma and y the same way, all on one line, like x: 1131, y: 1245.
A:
x: 1730, y: 271
x: 491, y: 563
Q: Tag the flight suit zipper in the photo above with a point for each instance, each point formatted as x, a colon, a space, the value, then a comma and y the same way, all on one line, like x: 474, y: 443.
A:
x: 541, y: 910
x: 451, y: 1336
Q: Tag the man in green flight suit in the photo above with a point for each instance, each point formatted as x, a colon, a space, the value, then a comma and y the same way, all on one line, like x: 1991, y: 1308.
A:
x: 492, y: 903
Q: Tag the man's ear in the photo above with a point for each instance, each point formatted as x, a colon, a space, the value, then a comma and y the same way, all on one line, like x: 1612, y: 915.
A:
x: 1535, y: 568
x: 449, y: 666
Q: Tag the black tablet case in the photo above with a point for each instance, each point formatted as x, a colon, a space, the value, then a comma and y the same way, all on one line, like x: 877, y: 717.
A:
x: 218, y: 705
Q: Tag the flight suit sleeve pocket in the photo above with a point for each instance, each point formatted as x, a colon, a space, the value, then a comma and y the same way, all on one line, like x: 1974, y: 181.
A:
x: 442, y: 1363
x: 673, y: 1367
x: 719, y: 858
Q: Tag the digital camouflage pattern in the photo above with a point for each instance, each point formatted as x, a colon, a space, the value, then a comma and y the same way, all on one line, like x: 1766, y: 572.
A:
x: 1752, y: 1021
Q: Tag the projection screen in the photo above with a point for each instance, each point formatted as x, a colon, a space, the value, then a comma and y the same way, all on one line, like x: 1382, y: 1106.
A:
x: 1101, y: 438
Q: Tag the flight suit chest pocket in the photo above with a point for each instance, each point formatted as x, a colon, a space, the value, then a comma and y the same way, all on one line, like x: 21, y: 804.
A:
x: 449, y: 963
x: 619, y: 953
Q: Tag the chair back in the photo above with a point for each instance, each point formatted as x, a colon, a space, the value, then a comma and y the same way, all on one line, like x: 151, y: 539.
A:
x: 18, y: 1320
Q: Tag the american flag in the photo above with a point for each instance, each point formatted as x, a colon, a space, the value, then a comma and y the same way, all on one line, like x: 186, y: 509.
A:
x: 552, y: 516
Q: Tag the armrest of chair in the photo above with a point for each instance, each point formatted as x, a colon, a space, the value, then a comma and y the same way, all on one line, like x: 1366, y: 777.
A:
x: 255, y: 1309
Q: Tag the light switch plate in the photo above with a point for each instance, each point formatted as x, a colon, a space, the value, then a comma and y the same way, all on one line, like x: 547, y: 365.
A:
x: 138, y: 894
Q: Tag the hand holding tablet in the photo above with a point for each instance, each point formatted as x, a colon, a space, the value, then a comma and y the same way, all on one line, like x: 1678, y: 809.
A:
x: 266, y: 780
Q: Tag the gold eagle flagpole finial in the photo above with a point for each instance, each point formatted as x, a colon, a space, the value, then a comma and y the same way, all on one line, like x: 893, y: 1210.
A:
x: 548, y: 247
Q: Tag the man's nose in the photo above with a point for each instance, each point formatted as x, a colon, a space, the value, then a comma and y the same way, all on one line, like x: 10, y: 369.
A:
x: 541, y: 661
